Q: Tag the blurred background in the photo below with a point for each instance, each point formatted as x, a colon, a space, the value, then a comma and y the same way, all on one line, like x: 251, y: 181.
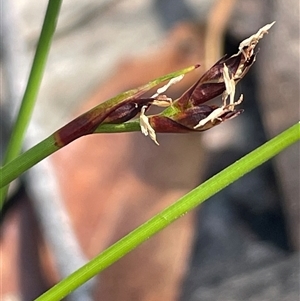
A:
x: 242, y: 244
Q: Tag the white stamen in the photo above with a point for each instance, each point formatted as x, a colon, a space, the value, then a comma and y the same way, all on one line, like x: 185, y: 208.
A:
x: 253, y: 40
x: 146, y: 128
x: 168, y: 85
x: 162, y: 101
x: 217, y: 113
x: 211, y: 117
x: 230, y: 88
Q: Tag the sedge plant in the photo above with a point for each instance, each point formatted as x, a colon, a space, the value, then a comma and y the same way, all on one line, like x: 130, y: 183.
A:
x: 126, y: 112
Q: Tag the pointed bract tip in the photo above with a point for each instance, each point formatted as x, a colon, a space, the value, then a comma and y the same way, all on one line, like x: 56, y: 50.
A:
x: 255, y: 37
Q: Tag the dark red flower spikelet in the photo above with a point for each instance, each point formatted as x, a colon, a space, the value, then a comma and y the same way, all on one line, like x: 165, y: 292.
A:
x: 188, y: 112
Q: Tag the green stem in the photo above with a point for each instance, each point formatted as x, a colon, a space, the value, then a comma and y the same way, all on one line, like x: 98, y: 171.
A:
x: 173, y: 212
x: 16, y: 167
x: 13, y: 169
x: 33, y: 85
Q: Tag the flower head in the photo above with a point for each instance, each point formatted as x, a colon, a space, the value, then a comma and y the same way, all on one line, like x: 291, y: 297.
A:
x: 188, y: 112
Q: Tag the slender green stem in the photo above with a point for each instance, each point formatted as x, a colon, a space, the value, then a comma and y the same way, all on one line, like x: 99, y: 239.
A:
x: 13, y: 169
x: 16, y: 167
x: 33, y: 85
x: 173, y: 212
x: 34, y: 80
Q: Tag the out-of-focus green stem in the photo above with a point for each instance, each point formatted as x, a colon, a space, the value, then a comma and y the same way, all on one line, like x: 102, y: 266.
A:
x: 33, y: 85
x: 173, y: 212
